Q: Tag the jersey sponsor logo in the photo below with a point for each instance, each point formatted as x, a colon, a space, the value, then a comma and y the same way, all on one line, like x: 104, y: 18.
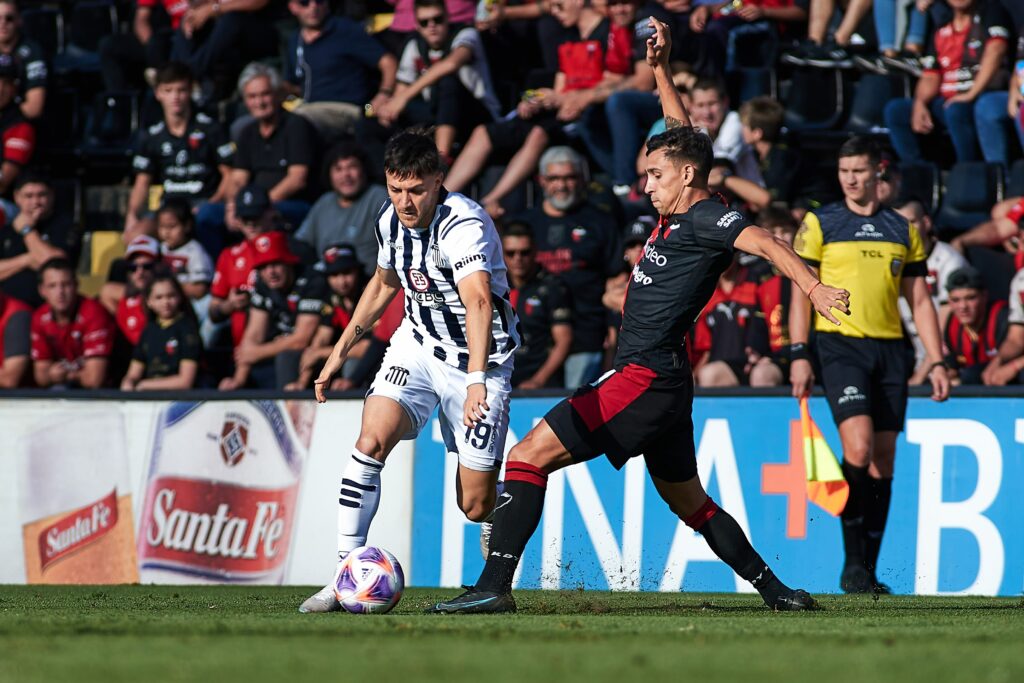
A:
x: 851, y: 393
x: 397, y: 375
x: 640, y: 277
x: 171, y: 347
x: 196, y: 138
x: 418, y: 280
x: 465, y: 261
x: 652, y: 255
x: 166, y: 149
x: 182, y: 158
x: 578, y: 233
x: 433, y: 300
x: 674, y: 226
x: 728, y: 219
x: 871, y: 253
x: 868, y: 231
x: 895, y: 266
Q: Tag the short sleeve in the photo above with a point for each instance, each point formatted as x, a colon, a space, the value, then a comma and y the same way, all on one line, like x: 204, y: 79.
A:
x: 407, y: 72
x: 142, y: 161
x: 361, y: 45
x: 35, y: 69
x: 559, y: 303
x: 385, y: 255
x: 219, y: 287
x: 1017, y: 299
x: 809, y: 240
x: 41, y: 349
x: 997, y: 22
x: 139, y: 352
x: 717, y: 226
x: 302, y: 142
x: 242, y: 156
x: 260, y: 297
x: 916, y: 253
x: 98, y: 336
x: 200, y: 267
x: 464, y: 243
x: 17, y: 333
x: 313, y: 297
x: 189, y: 346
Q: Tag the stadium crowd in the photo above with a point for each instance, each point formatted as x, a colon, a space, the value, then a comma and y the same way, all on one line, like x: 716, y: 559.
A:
x: 244, y: 140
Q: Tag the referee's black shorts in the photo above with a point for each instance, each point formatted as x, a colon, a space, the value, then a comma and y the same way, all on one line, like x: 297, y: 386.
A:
x: 623, y: 416
x: 864, y: 376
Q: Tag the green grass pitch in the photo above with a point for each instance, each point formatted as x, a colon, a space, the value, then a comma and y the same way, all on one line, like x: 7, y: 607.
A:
x: 217, y: 634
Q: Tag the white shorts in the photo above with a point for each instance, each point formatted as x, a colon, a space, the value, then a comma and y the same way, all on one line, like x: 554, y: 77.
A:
x: 418, y: 382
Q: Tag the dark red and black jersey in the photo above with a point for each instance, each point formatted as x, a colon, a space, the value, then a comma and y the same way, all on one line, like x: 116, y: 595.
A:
x: 773, y: 296
x: 584, y: 61
x: 89, y: 334
x: 955, y: 56
x: 970, y: 348
x: 541, y: 303
x: 671, y: 284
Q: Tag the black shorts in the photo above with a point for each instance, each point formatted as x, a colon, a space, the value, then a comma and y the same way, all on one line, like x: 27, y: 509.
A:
x: 622, y: 416
x: 865, y: 377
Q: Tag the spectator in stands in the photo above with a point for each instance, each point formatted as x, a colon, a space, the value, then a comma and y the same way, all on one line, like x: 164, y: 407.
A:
x: 142, y: 258
x: 403, y: 24
x: 1015, y: 93
x: 31, y: 69
x: 17, y: 135
x: 331, y: 64
x: 544, y: 306
x: 821, y: 50
x: 713, y: 23
x: 1008, y: 365
x: 774, y: 291
x: 72, y: 336
x: 963, y: 88
x: 15, y: 343
x: 277, y: 150
x: 762, y: 119
x: 443, y: 79
x: 348, y: 211
x: 125, y: 57
x: 633, y: 239
x: 287, y: 305
x: 889, y: 187
x: 167, y: 355
x: 976, y: 327
x: 346, y: 279
x: 1003, y: 228
x: 187, y: 155
x: 731, y: 336
x: 578, y: 242
x: 187, y: 259
x: 36, y: 233
x: 217, y: 37
x: 589, y: 59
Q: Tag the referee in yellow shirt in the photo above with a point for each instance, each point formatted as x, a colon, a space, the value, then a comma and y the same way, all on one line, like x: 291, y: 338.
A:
x: 876, y: 254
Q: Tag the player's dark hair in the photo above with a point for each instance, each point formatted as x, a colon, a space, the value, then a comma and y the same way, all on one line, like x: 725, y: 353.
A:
x: 764, y: 114
x: 425, y: 4
x: 412, y: 154
x: 174, y: 72
x: 184, y: 305
x: 182, y: 212
x: 710, y: 84
x: 776, y: 217
x: 685, y: 144
x: 860, y: 146
x: 904, y: 202
x: 57, y: 263
x: 347, y: 149
x: 517, y: 229
x: 31, y: 177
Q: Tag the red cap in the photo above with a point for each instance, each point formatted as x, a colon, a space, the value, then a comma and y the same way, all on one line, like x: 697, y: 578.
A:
x: 272, y: 247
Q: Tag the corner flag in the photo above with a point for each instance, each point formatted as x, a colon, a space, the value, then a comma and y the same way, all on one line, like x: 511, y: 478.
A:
x: 826, y: 486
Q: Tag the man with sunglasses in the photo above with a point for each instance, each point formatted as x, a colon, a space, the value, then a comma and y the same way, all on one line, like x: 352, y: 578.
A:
x: 141, y: 257
x: 28, y: 58
x: 330, y: 64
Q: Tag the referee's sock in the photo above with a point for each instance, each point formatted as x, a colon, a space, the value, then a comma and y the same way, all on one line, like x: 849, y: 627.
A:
x: 516, y: 516
x: 357, y: 501
x: 876, y: 514
x: 727, y: 540
x: 853, y: 514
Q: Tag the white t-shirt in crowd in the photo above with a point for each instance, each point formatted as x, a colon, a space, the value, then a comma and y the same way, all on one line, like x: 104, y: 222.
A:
x: 190, y: 263
x: 943, y: 260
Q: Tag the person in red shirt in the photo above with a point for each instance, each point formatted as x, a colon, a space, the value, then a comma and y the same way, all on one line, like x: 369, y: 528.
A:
x: 143, y: 256
x: 976, y: 328
x: 963, y: 89
x: 15, y: 322
x: 17, y: 136
x: 72, y: 335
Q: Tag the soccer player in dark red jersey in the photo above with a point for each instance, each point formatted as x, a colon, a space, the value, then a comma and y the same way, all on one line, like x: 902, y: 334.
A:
x: 645, y: 405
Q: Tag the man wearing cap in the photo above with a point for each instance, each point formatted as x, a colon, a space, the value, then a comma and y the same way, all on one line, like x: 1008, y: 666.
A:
x: 345, y: 282
x: 544, y: 306
x: 17, y: 136
x: 288, y: 303
x: 72, y: 335
x: 32, y: 236
x: 976, y: 326
x: 142, y: 257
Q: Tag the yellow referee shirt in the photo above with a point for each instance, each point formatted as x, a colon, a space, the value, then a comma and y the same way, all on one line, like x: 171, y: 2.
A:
x: 867, y: 255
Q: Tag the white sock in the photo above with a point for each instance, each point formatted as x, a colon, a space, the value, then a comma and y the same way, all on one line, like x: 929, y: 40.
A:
x: 357, y: 501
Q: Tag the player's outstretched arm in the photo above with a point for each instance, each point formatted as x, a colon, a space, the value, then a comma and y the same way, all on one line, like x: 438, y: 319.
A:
x: 760, y: 242
x: 658, y: 48
x: 379, y: 292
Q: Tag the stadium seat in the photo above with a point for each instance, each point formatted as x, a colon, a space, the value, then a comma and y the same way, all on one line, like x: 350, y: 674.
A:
x: 90, y: 22
x: 971, y: 189
x: 1015, y: 183
x: 60, y: 128
x: 815, y: 99
x: 996, y: 268
x: 871, y: 94
x: 44, y: 25
x: 111, y: 125
x: 921, y: 181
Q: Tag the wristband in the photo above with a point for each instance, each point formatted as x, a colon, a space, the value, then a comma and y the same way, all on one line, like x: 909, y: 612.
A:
x: 809, y: 291
x: 386, y: 91
x: 938, y: 364
x: 478, y: 377
x: 798, y: 351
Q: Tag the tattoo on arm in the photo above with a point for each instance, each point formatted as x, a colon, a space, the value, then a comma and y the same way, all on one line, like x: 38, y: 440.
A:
x: 359, y: 333
x: 672, y: 122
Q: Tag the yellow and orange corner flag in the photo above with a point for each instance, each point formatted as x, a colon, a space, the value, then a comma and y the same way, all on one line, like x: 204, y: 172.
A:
x: 826, y: 486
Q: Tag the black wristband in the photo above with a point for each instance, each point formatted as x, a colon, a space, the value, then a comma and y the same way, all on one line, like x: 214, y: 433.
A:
x: 798, y: 351
x: 938, y: 364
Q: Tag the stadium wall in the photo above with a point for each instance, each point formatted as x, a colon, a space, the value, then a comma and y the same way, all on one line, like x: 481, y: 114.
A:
x: 244, y: 491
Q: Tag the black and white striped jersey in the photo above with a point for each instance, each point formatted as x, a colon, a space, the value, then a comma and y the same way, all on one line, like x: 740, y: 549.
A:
x: 430, y: 262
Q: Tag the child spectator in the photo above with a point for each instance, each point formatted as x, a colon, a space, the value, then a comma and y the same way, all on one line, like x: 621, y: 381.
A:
x: 187, y: 259
x: 167, y: 355
x: 72, y: 335
x: 976, y: 326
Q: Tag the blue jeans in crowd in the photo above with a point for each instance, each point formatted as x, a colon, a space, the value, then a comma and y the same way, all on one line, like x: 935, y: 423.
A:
x: 983, y: 122
x: 211, y: 229
x: 582, y: 367
x: 887, y: 22
x: 630, y: 113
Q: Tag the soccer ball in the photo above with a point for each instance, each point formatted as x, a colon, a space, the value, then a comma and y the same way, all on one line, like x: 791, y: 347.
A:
x: 369, y: 580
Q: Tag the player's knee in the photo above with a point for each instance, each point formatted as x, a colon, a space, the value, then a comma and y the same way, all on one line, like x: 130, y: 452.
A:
x: 477, y: 509
x: 372, y: 446
x: 531, y: 451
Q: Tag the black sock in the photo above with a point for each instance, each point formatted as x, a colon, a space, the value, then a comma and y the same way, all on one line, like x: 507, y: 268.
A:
x: 876, y: 514
x: 516, y: 516
x: 727, y: 540
x: 853, y: 514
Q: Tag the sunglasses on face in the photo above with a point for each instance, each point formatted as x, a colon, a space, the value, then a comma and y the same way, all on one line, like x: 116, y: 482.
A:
x: 307, y: 3
x: 437, y: 20
x: 512, y: 253
x: 135, y: 267
x: 8, y: 18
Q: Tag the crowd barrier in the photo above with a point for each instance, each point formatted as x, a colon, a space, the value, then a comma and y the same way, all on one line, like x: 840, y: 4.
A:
x: 195, y: 488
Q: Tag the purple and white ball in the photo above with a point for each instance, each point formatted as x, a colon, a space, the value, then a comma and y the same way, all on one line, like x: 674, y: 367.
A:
x: 369, y: 580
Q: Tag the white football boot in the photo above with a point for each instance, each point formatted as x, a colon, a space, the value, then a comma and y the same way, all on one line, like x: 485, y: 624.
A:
x: 324, y: 600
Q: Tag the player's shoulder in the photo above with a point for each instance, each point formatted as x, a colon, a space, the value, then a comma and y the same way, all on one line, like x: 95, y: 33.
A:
x: 713, y: 213
x: 459, y: 211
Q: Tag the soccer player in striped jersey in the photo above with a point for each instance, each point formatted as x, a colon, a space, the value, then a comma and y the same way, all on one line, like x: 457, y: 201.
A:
x: 453, y: 348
